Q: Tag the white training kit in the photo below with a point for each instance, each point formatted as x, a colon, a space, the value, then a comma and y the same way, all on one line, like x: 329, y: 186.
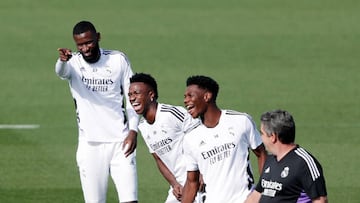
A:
x: 99, y: 90
x: 165, y: 138
x: 221, y: 154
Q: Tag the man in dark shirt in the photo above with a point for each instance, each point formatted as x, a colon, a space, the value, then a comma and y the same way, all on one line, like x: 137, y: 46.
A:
x: 290, y: 169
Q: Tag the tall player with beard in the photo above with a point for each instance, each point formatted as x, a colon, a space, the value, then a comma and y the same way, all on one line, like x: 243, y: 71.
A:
x: 219, y: 148
x: 163, y: 127
x: 99, y: 83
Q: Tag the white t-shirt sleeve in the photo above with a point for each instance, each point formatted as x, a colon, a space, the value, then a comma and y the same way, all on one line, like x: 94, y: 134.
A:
x: 254, y: 138
x: 190, y: 160
x: 62, y: 69
x: 144, y: 130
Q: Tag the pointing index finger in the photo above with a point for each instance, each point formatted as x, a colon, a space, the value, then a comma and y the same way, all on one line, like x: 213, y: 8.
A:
x: 65, y: 51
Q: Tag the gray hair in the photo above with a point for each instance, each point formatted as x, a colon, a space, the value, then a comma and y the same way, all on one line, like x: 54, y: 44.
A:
x: 280, y: 123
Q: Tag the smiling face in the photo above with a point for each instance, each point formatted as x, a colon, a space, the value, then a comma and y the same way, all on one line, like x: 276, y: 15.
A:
x: 140, y: 96
x: 194, y: 100
x: 87, y: 44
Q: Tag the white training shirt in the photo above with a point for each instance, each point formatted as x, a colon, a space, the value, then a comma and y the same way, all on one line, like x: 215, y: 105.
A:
x: 165, y: 137
x: 221, y: 154
x: 98, y: 90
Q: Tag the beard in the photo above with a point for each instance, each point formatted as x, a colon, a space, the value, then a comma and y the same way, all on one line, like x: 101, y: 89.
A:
x: 94, y: 55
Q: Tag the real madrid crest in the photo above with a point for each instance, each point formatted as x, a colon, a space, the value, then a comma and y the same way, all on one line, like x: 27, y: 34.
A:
x: 285, y: 172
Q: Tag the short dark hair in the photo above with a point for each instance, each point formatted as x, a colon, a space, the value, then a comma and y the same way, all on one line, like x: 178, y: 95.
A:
x: 147, y: 79
x: 204, y: 82
x: 83, y: 26
x: 281, y: 123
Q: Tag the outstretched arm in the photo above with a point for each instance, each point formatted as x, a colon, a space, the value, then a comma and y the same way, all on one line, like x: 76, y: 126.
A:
x: 64, y: 54
x: 61, y: 67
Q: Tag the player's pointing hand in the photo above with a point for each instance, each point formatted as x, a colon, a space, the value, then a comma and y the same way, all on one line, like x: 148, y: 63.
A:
x: 64, y: 54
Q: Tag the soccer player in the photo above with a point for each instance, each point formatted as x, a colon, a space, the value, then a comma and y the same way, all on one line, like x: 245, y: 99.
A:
x: 290, y: 169
x: 219, y: 147
x: 99, y: 82
x: 163, y: 127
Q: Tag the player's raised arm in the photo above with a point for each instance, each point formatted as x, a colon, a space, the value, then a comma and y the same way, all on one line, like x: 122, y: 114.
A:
x: 61, y: 67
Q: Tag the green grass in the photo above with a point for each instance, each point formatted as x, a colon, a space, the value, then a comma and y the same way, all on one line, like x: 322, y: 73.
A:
x: 298, y: 55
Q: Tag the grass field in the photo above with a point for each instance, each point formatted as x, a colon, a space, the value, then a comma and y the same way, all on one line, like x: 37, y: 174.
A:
x: 302, y: 56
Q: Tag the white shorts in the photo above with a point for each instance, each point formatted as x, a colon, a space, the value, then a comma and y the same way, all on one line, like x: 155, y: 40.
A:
x: 96, y: 161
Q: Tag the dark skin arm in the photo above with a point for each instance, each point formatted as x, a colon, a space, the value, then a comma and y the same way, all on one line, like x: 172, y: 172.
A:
x: 191, y: 187
x: 261, y: 154
x: 322, y: 199
x: 202, y: 184
x: 177, y: 187
x: 64, y: 54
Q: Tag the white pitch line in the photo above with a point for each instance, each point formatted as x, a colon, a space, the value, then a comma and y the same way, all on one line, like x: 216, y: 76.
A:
x: 19, y: 126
